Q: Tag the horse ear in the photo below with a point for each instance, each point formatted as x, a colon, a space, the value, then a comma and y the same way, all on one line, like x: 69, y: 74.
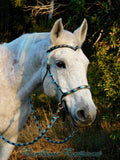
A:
x: 81, y: 32
x: 57, y: 30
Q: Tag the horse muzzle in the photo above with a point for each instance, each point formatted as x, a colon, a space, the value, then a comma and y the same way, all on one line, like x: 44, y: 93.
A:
x: 80, y: 117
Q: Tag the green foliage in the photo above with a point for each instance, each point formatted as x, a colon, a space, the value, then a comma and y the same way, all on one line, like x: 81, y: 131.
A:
x: 18, y: 3
x: 106, y: 66
x: 115, y: 136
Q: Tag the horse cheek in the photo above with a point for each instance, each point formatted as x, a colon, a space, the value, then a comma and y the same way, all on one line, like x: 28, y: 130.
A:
x: 49, y: 87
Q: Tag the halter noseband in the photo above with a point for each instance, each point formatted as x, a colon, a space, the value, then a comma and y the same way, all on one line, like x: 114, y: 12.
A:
x: 48, y: 70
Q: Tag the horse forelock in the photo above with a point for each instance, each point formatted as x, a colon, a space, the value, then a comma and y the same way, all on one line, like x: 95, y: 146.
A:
x: 67, y: 38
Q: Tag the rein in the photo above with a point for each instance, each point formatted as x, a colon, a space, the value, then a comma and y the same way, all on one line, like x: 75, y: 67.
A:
x: 55, y: 116
x: 42, y: 134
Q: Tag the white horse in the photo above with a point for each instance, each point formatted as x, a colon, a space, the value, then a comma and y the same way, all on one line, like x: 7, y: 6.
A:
x: 23, y: 65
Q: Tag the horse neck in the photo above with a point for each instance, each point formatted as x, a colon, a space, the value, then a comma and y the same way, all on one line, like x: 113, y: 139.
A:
x: 30, y: 52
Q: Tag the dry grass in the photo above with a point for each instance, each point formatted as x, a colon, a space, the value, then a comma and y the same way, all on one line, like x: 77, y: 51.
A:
x: 90, y: 139
x: 30, y: 131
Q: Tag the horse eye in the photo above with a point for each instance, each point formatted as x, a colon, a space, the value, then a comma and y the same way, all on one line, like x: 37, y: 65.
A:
x: 60, y: 64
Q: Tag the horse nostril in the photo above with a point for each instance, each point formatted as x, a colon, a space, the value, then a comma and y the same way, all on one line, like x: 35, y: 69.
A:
x: 79, y: 115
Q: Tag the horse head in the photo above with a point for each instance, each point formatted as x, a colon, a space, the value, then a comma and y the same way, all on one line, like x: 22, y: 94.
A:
x: 67, y: 65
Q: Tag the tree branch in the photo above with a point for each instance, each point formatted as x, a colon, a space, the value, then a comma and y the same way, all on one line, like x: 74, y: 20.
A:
x: 43, y: 7
x: 100, y: 35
